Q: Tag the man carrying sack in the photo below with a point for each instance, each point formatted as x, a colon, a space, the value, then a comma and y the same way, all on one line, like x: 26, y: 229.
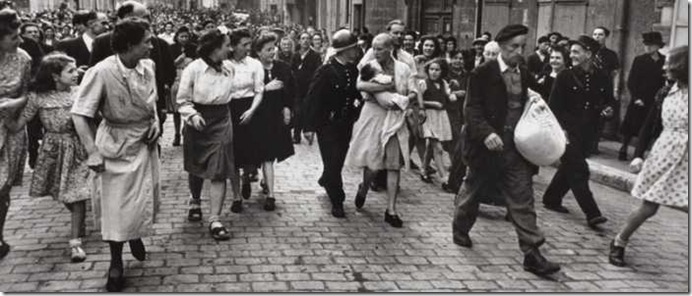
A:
x: 497, y: 93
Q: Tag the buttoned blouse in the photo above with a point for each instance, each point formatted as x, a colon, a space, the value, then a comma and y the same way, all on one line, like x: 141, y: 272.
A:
x: 202, y: 84
x: 248, y: 79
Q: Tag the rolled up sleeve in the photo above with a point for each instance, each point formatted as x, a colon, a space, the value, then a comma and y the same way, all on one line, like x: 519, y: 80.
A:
x: 88, y: 97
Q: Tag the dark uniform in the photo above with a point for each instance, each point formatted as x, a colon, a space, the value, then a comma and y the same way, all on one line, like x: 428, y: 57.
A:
x: 330, y: 109
x: 607, y: 61
x: 577, y: 100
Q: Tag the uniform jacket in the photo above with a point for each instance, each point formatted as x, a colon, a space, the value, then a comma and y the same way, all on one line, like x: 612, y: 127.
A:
x: 578, y: 98
x: 485, y: 111
x: 331, y: 95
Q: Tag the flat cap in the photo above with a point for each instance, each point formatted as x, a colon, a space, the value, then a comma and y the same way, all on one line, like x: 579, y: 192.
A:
x: 511, y: 31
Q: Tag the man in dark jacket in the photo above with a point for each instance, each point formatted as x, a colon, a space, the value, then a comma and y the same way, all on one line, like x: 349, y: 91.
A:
x: 331, y: 108
x: 497, y: 93
x: 645, y: 79
x: 160, y: 54
x: 581, y: 96
x: 81, y: 46
x: 538, y: 60
x: 305, y: 63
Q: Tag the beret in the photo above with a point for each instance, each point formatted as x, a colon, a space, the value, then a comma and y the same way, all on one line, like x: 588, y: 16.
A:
x: 511, y: 31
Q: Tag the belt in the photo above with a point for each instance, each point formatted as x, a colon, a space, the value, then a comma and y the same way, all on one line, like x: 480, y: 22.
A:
x: 125, y: 125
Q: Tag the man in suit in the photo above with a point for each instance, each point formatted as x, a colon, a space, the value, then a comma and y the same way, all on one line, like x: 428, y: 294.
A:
x: 474, y: 56
x: 538, y: 60
x: 160, y: 54
x: 80, y: 47
x: 330, y: 109
x: 305, y: 63
x: 581, y: 95
x: 497, y: 93
x: 607, y: 61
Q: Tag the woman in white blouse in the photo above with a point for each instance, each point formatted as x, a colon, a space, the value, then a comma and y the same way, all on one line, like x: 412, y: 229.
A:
x: 203, y: 101
x: 246, y: 96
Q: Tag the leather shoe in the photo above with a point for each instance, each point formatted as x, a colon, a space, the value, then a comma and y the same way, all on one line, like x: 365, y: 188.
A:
x: 338, y: 211
x: 617, y: 255
x: 360, y: 197
x: 556, y: 208
x: 463, y: 240
x: 393, y: 220
x: 535, y: 263
x: 597, y: 220
x: 4, y: 249
x: 237, y: 206
x: 138, y: 250
x: 116, y: 279
x: 246, y: 190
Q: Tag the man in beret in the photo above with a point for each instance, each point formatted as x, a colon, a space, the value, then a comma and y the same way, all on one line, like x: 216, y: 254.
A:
x: 581, y: 95
x: 330, y: 109
x: 538, y: 60
x: 497, y: 93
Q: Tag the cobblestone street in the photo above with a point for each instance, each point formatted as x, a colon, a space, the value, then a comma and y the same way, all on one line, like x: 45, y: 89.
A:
x: 301, y: 247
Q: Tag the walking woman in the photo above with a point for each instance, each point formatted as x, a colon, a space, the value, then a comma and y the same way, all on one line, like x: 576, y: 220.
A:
x: 14, y: 78
x: 61, y: 169
x: 664, y: 178
x: 184, y: 51
x: 274, y: 114
x: 122, y: 89
x: 203, y: 100
x: 248, y: 90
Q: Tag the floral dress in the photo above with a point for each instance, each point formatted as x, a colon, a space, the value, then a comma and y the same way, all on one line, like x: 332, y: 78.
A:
x: 15, y: 72
x: 664, y: 177
x: 61, y: 171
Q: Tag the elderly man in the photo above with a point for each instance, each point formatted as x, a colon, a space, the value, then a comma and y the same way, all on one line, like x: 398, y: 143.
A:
x: 330, y: 109
x: 380, y: 136
x: 497, y: 93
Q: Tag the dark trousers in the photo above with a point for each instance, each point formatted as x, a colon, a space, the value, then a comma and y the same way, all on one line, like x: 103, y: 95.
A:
x: 458, y: 170
x: 514, y: 180
x: 296, y: 122
x: 573, y: 174
x: 333, y: 140
x: 35, y: 133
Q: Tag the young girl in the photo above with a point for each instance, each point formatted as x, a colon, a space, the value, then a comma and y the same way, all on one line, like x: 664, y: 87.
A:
x: 61, y: 170
x: 436, y: 128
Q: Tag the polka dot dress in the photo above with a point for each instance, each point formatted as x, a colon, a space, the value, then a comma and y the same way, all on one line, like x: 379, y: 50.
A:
x: 664, y: 177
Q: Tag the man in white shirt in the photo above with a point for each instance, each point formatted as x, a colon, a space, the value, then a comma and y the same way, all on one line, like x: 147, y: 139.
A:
x: 168, y: 34
x: 80, y: 48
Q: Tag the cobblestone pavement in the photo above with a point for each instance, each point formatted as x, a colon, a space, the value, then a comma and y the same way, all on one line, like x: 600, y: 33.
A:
x: 301, y: 247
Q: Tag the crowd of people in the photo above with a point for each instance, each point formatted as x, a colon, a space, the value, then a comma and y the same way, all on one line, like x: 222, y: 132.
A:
x: 88, y: 105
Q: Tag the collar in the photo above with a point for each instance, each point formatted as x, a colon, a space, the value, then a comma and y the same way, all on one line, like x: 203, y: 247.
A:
x: 139, y: 69
x: 87, y: 39
x: 503, y: 66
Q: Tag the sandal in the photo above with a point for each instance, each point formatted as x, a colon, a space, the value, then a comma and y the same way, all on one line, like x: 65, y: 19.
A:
x: 219, y: 233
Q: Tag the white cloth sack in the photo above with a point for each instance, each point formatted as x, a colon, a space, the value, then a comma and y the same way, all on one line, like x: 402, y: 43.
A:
x: 538, y: 135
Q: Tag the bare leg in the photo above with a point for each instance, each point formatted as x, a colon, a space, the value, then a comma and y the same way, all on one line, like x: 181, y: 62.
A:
x: 392, y: 190
x: 218, y: 194
x: 438, y: 154
x: 235, y: 186
x: 636, y: 219
x: 4, y: 208
x: 78, y: 210
x: 268, y: 175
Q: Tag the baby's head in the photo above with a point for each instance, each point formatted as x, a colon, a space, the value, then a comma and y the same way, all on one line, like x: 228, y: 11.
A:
x: 367, y: 73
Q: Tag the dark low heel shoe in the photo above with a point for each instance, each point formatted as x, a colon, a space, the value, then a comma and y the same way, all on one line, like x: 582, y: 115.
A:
x: 393, y: 220
x: 360, y: 197
x: 617, y: 255
x: 138, y: 250
x: 237, y: 206
x: 116, y: 279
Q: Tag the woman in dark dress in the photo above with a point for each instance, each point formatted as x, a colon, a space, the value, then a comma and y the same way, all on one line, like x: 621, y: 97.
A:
x: 274, y: 114
x: 184, y: 52
x: 645, y: 79
x: 559, y: 59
